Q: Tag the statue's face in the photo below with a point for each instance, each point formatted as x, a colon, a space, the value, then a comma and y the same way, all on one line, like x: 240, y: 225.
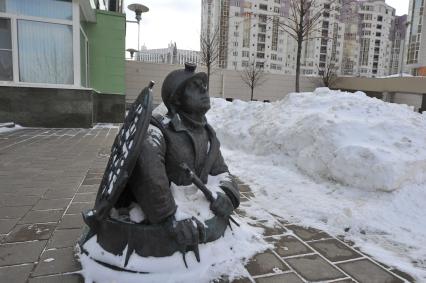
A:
x: 195, y: 97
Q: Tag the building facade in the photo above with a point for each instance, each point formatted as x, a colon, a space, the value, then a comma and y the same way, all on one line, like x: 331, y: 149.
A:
x: 169, y: 55
x: 416, y: 38
x: 398, y: 35
x: 59, y: 46
x: 360, y: 38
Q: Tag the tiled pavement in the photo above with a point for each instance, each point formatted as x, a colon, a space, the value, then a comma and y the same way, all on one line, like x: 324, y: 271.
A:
x: 48, y: 176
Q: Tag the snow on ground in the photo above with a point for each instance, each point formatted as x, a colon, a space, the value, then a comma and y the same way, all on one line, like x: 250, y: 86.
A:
x: 225, y: 256
x: 336, y: 161
x: 5, y: 127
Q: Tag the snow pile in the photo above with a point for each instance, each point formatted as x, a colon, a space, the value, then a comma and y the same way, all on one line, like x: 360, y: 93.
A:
x: 340, y: 162
x: 349, y: 138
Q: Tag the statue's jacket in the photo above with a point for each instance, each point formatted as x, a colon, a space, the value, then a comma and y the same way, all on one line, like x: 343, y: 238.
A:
x: 169, y: 143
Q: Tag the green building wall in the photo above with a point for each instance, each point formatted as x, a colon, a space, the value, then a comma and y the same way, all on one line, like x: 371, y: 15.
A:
x: 106, y: 52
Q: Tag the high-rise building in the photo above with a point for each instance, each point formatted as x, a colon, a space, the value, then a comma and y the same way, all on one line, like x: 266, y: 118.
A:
x: 368, y: 38
x: 324, y: 45
x: 249, y: 33
x: 416, y: 41
x: 361, y: 38
x: 397, y: 37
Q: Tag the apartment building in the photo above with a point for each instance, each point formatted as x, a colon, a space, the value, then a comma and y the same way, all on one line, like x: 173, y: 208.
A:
x: 397, y: 37
x: 416, y: 49
x: 169, y: 55
x: 249, y: 33
x: 324, y: 46
x: 361, y: 38
x: 369, y: 39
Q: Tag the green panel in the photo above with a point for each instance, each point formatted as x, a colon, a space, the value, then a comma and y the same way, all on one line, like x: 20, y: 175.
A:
x: 106, y: 52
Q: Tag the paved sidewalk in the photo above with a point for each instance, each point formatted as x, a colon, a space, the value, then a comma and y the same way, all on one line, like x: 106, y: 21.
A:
x: 48, y: 176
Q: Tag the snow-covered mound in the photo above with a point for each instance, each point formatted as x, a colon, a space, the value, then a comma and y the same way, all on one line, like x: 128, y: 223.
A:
x: 346, y: 137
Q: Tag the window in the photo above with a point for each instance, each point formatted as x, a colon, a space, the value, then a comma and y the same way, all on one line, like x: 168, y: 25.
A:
x: 84, y: 59
x: 245, y: 54
x: 55, y: 9
x: 263, y: 7
x: 44, y: 36
x: 45, y: 52
x: 6, y: 65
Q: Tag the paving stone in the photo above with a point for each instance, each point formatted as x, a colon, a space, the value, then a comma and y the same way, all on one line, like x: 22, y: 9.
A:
x: 280, y: 219
x: 63, y: 278
x: 15, y: 274
x: 88, y: 189
x: 91, y: 181
x: 403, y: 275
x: 13, y: 212
x: 308, y: 234
x: 64, y: 238
x: 334, y: 250
x: 45, y: 204
x: 17, y: 253
x: 30, y: 232
x: 59, y: 194
x: 79, y: 207
x: 85, y: 197
x: 280, y: 278
x: 247, y: 195
x: 41, y: 216
x: 289, y: 246
x: 345, y: 281
x: 265, y: 263
x: 366, y: 271
x: 17, y: 200
x: 70, y: 221
x: 240, y: 212
x: 241, y: 280
x: 276, y: 229
x: 56, y: 261
x: 314, y: 268
x: 6, y: 225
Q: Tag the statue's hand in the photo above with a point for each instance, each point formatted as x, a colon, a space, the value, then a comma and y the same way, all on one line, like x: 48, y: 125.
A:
x: 222, y: 205
x: 188, y: 232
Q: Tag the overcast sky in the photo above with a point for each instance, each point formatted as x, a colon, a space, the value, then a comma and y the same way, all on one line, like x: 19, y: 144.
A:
x: 180, y: 21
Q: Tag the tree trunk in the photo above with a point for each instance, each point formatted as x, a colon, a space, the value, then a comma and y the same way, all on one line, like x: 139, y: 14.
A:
x: 208, y: 77
x: 298, y: 59
x: 252, y: 92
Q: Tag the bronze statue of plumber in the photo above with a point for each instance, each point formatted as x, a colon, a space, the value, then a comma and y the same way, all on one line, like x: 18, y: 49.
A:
x: 148, y: 154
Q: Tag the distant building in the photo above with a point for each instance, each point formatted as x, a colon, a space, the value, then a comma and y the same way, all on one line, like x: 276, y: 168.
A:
x: 169, y: 55
x: 397, y: 37
x: 369, y: 35
x: 362, y: 38
x: 416, y: 38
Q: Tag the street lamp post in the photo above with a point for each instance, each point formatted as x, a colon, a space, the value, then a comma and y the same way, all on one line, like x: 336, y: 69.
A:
x: 138, y: 9
x: 132, y: 52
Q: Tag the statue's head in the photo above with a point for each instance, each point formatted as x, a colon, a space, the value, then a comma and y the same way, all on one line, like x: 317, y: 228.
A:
x: 184, y: 90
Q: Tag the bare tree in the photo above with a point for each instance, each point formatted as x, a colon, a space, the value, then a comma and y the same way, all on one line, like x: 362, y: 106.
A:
x: 253, y: 76
x: 210, y: 50
x: 328, y: 71
x: 302, y: 21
